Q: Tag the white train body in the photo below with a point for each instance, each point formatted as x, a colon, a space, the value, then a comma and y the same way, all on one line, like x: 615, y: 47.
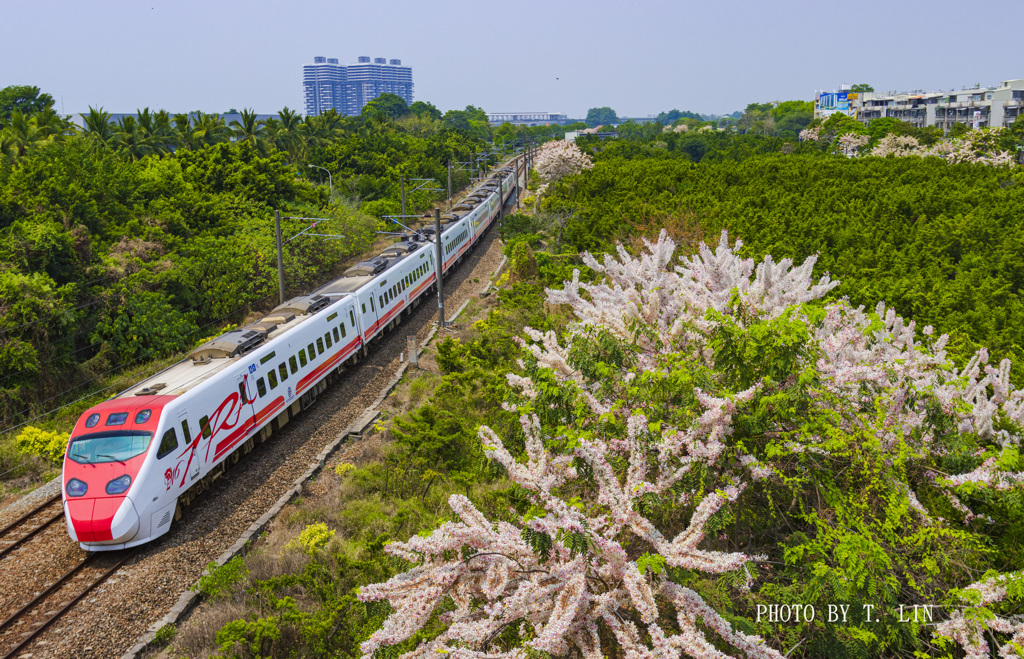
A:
x: 133, y: 458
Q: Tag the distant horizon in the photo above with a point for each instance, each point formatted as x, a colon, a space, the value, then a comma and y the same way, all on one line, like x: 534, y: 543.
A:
x: 565, y: 57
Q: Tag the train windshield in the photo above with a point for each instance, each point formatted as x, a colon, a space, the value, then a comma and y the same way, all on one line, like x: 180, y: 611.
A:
x: 103, y: 447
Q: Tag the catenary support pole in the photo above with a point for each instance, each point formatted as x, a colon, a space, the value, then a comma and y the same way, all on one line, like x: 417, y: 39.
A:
x: 402, y: 183
x: 449, y: 184
x: 440, y: 269
x: 280, y: 257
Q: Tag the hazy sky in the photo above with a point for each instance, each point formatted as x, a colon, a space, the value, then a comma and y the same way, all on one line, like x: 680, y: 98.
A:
x: 640, y: 57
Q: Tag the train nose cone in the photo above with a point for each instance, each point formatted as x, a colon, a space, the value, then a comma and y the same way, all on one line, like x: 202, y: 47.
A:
x: 110, y: 519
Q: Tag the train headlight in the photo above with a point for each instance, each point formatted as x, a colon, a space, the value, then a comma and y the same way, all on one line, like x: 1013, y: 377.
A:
x: 76, y: 488
x: 119, y: 485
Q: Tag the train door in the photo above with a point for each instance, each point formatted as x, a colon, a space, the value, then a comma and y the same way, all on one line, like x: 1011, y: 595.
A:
x: 192, y: 466
x: 246, y: 391
x: 247, y: 395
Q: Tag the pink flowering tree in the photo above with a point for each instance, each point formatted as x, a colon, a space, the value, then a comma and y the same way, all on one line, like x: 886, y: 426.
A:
x: 558, y: 159
x: 979, y: 147
x: 709, y: 437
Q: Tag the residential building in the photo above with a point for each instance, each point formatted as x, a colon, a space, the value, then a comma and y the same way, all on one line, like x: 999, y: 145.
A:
x: 325, y: 85
x: 328, y: 84
x: 526, y: 118
x: 979, y: 107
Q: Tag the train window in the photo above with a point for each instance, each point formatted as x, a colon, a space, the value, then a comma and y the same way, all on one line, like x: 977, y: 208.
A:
x: 283, y: 370
x: 311, y: 351
x: 327, y: 338
x: 337, y: 337
x: 381, y: 301
x: 143, y: 416
x: 364, y: 307
x: 302, y: 359
x: 261, y: 386
x: 186, y: 432
x: 342, y: 331
x: 204, y: 427
x: 352, y: 316
x: 244, y: 395
x: 117, y: 419
x: 371, y: 305
x: 272, y: 378
x: 332, y: 316
x: 266, y: 358
x: 92, y: 420
x: 320, y: 343
x: 167, y: 444
x: 294, y: 364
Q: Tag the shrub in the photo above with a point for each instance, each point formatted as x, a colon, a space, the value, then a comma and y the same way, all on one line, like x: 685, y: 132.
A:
x: 49, y: 445
x: 218, y: 580
x: 313, y: 538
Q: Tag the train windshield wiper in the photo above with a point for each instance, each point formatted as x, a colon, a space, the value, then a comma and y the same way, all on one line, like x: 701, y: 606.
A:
x: 103, y: 455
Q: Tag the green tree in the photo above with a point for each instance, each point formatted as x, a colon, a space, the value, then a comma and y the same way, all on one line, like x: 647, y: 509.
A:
x: 424, y: 109
x: 391, y: 106
x: 862, y: 88
x: 144, y: 324
x: 249, y: 129
x: 601, y: 117
x: 25, y: 99
x: 97, y: 124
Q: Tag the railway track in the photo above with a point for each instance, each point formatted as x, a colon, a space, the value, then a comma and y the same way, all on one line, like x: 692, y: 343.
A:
x: 33, y: 618
x: 31, y: 524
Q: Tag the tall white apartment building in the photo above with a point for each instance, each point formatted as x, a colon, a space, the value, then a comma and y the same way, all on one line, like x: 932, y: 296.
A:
x: 327, y: 84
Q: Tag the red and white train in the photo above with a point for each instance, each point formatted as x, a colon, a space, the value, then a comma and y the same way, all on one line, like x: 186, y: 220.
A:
x: 135, y: 460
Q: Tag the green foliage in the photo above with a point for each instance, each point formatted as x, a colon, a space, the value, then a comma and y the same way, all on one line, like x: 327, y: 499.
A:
x: 145, y: 324
x: 523, y: 264
x: 25, y: 99
x: 164, y: 636
x: 601, y: 117
x: 313, y: 538
x: 44, y: 443
x: 218, y: 580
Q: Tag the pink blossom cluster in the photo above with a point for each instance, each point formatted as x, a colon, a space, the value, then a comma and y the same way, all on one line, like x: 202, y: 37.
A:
x: 810, y: 134
x: 977, y: 146
x: 591, y: 571
x: 851, y: 142
x: 968, y: 626
x: 560, y: 158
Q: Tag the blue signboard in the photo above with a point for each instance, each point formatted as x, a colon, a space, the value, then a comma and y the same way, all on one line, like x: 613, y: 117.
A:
x: 830, y: 103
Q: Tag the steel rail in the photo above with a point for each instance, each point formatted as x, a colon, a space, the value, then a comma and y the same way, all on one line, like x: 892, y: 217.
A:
x: 35, y: 510
x: 53, y: 618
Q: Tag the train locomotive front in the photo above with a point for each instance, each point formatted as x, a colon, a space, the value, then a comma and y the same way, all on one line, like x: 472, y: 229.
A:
x: 109, y: 500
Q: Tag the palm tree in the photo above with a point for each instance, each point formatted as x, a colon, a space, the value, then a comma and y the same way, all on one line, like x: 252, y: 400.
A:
x: 209, y: 129
x: 183, y: 128
x: 250, y: 130
x: 163, y: 130
x: 286, y: 133
x: 134, y: 139
x: 23, y: 132
x: 97, y: 124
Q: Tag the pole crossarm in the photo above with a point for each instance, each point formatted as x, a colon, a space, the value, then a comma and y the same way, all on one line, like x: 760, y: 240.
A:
x: 316, y: 221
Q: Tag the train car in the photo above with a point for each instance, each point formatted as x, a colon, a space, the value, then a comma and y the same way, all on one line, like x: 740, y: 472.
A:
x: 134, y: 461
